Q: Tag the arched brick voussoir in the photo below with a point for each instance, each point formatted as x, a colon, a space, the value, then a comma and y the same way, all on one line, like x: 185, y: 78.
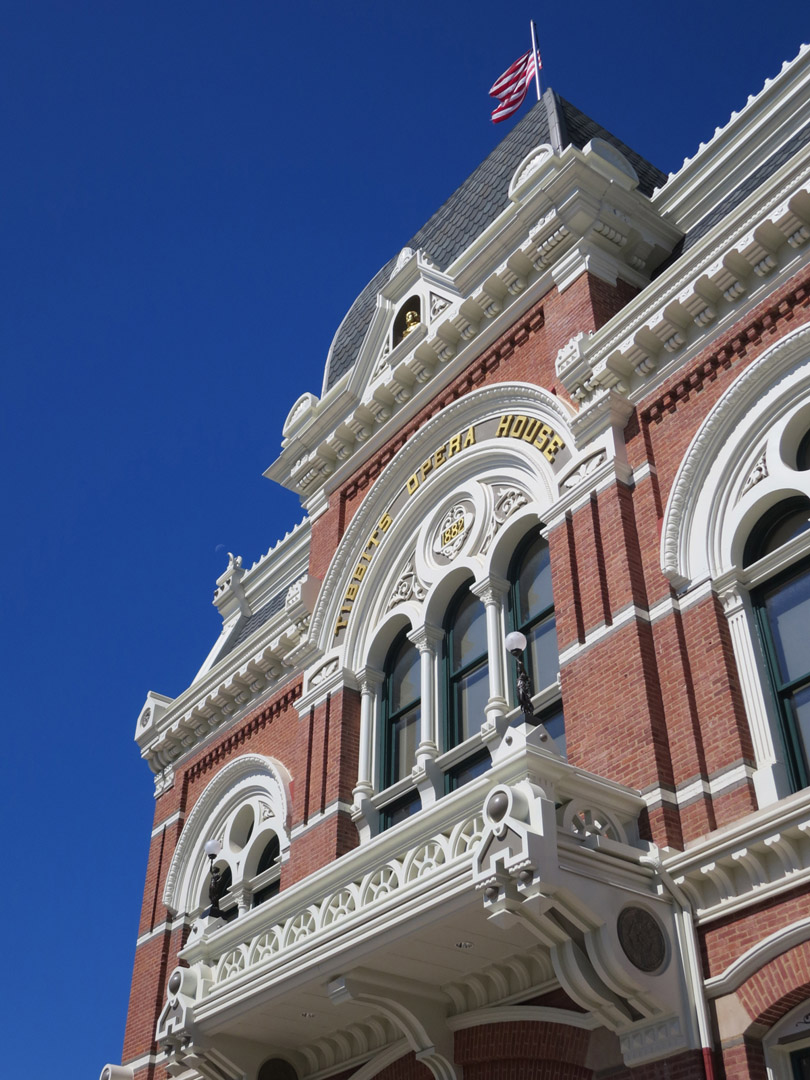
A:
x: 777, y: 987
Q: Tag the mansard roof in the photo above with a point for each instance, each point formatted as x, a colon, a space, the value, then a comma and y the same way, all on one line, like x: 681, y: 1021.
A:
x: 476, y: 203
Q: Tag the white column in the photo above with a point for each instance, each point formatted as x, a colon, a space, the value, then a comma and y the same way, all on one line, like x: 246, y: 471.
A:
x: 492, y: 591
x: 737, y: 608
x: 370, y: 682
x: 428, y: 640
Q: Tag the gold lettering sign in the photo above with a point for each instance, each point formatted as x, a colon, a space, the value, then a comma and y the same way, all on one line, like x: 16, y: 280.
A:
x: 439, y: 457
x: 359, y: 573
x: 527, y: 429
x: 531, y: 430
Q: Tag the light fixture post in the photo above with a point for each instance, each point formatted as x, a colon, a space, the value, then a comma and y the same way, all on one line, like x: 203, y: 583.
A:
x: 516, y: 644
x: 215, y: 889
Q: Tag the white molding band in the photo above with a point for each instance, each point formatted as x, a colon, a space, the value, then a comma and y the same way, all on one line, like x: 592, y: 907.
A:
x: 757, y: 956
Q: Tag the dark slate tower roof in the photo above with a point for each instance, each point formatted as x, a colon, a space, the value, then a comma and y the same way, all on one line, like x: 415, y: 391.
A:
x: 477, y: 203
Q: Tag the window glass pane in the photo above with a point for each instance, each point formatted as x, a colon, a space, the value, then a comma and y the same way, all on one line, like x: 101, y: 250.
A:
x: 800, y: 1061
x: 534, y: 583
x: 803, y: 453
x: 469, y: 632
x: 470, y: 768
x: 788, y: 608
x: 267, y: 893
x: 792, y: 525
x: 404, y: 734
x: 472, y: 694
x: 781, y: 523
x: 543, y: 657
x: 800, y: 706
x: 269, y: 855
x: 555, y: 726
x: 403, y: 808
x: 404, y: 677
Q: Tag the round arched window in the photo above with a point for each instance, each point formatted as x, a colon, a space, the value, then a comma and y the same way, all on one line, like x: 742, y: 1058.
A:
x: 788, y: 519
x: 277, y: 1069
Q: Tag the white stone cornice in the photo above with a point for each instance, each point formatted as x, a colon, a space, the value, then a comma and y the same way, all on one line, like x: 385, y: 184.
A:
x: 756, y: 858
x: 227, y: 688
x: 727, y: 272
x: 578, y: 213
x: 735, y: 150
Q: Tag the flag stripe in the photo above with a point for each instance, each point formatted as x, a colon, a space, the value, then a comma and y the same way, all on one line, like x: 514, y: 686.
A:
x: 511, y: 87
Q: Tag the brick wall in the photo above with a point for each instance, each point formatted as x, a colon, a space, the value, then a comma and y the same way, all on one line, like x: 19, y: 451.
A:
x: 320, y: 753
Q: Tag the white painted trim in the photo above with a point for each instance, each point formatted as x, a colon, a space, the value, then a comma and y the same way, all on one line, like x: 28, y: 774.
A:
x: 694, y: 536
x: 692, y: 790
x: 143, y: 1061
x: 168, y: 926
x: 170, y: 820
x: 508, y: 1014
x: 373, y: 1067
x: 243, y: 778
x: 757, y: 956
x: 329, y: 811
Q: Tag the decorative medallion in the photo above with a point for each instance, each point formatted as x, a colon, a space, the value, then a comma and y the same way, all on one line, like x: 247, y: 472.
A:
x: 453, y: 530
x: 641, y: 938
x: 146, y: 716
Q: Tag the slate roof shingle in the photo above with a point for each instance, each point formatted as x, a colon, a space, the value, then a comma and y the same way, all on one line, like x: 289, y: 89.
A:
x: 475, y: 205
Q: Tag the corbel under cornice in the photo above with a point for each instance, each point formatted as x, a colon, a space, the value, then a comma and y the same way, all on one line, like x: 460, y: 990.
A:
x: 732, y: 269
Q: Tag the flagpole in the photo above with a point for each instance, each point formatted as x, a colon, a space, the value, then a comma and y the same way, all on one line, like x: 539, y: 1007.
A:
x: 534, y: 55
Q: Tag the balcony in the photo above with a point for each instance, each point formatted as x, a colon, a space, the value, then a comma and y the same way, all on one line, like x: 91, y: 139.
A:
x: 436, y: 910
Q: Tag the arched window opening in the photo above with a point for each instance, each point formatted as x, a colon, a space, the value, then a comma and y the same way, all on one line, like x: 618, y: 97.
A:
x: 400, y: 716
x: 803, y: 453
x: 783, y: 613
x: 466, y: 668
x: 269, y: 856
x: 277, y: 1069
x: 227, y: 902
x: 531, y: 610
x: 267, y: 880
x: 408, y: 318
x: 788, y: 519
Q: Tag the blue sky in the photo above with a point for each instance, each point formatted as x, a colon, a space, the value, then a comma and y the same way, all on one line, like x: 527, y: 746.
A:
x: 192, y: 195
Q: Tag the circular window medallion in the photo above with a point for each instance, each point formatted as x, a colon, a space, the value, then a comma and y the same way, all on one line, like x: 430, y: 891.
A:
x: 641, y: 938
x: 453, y: 530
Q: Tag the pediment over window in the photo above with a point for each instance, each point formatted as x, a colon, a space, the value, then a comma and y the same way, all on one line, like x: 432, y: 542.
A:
x: 416, y: 294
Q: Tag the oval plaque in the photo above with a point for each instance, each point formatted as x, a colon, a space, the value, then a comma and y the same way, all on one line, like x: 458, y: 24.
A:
x: 641, y: 938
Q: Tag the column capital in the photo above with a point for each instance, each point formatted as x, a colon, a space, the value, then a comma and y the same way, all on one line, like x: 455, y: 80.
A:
x: 732, y: 598
x: 490, y: 589
x: 370, y: 679
x: 426, y: 638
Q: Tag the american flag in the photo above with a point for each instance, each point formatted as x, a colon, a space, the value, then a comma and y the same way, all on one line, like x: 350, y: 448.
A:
x: 510, y: 89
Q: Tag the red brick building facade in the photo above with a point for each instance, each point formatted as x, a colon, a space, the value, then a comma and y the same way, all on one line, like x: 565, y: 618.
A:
x: 577, y: 407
